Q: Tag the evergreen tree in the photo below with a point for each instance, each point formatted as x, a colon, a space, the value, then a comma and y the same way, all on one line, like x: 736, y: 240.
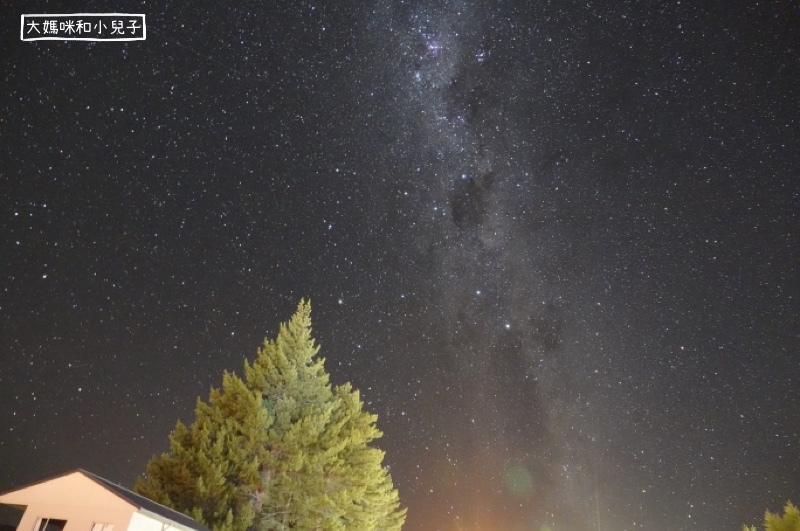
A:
x: 211, y: 472
x: 280, y: 449
x: 790, y: 521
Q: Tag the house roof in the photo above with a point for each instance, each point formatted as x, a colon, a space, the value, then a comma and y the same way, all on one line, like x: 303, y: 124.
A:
x: 145, y: 505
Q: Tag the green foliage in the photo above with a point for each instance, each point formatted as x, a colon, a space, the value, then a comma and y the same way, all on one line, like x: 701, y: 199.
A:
x: 790, y: 521
x: 280, y: 449
x: 211, y: 472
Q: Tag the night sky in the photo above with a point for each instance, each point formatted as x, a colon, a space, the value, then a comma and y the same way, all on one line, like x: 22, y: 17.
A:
x: 554, y: 244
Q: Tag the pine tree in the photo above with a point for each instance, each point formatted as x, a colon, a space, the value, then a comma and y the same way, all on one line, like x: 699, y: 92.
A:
x: 280, y: 449
x: 211, y: 472
x: 790, y: 521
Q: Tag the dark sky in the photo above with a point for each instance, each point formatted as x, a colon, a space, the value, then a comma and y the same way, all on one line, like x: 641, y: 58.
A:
x: 554, y: 244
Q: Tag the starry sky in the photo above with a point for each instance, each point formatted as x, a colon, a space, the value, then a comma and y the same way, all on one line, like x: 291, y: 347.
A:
x: 554, y: 244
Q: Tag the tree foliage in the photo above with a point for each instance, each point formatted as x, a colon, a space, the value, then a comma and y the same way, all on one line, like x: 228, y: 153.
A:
x: 278, y: 449
x: 790, y: 521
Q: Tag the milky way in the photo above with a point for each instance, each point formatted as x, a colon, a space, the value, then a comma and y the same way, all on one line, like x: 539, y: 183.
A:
x: 491, y: 244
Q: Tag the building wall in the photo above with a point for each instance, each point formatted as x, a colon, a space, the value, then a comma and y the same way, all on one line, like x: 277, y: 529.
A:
x: 140, y: 522
x: 74, y: 498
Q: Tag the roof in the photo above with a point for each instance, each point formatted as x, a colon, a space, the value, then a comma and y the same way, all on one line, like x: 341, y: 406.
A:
x: 146, y: 506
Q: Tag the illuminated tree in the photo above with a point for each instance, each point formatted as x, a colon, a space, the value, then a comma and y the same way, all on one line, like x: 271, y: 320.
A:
x: 280, y: 449
x: 790, y: 521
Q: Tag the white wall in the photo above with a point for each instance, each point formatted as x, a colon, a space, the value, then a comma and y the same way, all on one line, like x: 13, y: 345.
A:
x: 140, y: 522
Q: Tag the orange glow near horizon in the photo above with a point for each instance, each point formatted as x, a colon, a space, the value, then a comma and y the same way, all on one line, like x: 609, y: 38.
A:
x: 491, y: 493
